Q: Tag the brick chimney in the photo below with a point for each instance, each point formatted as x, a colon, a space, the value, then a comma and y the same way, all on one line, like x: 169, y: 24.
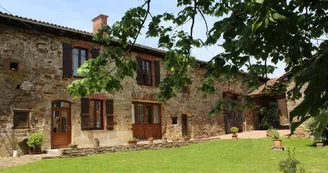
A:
x: 99, y: 22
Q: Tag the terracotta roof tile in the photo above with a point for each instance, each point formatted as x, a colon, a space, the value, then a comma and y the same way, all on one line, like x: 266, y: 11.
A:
x: 47, y: 24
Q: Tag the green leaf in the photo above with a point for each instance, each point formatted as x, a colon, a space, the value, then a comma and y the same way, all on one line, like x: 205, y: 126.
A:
x: 278, y: 16
x: 259, y: 1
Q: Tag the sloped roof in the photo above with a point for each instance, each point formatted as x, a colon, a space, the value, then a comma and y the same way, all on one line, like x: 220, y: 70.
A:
x: 270, y: 82
x: 261, y: 88
x: 64, y: 28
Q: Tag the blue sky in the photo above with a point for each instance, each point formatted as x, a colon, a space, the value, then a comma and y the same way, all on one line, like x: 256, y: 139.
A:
x: 79, y: 13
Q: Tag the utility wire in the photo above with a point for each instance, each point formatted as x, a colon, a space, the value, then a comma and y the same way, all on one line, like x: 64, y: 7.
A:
x: 21, y: 21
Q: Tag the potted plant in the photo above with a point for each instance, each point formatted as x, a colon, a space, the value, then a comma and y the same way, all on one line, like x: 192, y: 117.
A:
x: 186, y: 138
x: 319, y: 143
x: 277, y: 142
x: 150, y: 140
x: 34, y: 143
x: 234, y: 131
x: 133, y: 141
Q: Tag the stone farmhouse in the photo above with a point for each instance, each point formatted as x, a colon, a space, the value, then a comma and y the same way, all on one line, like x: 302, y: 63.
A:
x: 39, y: 59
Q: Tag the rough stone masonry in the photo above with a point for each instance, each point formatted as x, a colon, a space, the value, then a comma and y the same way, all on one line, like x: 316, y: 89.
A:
x: 31, y: 79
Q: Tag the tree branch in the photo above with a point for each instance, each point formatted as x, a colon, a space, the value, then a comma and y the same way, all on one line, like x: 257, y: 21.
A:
x: 141, y: 26
x: 201, y: 13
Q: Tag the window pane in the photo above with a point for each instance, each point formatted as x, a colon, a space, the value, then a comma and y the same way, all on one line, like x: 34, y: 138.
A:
x: 149, y: 114
x: 156, y: 114
x: 83, y: 53
x: 63, y: 121
x: 98, y: 105
x: 60, y: 104
x: 82, y: 59
x: 56, y: 121
x: 20, y: 119
x: 133, y: 114
x: 75, y: 51
x: 140, y: 114
x: 75, y: 64
x: 149, y: 76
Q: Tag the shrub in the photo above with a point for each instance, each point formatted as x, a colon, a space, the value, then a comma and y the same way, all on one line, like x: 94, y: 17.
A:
x: 274, y: 134
x: 234, y: 130
x: 35, y: 140
x: 289, y: 165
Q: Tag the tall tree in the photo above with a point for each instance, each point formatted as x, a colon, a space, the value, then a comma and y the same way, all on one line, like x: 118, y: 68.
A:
x: 292, y: 31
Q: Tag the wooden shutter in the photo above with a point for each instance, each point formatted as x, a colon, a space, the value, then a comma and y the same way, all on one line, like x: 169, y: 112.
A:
x: 67, y: 60
x: 140, y: 79
x: 157, y: 70
x: 110, y: 114
x: 94, y: 53
x: 85, y: 113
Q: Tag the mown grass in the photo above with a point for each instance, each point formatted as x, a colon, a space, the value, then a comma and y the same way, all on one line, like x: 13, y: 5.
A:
x: 228, y: 156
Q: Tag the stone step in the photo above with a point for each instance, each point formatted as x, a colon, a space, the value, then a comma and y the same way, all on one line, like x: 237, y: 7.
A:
x: 54, y: 152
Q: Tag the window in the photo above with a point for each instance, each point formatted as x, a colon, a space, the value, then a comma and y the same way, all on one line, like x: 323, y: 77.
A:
x: 174, y: 120
x: 146, y: 75
x: 79, y: 56
x: 92, y: 112
x: 145, y: 113
x: 21, y: 119
x: 74, y: 57
x: 13, y: 66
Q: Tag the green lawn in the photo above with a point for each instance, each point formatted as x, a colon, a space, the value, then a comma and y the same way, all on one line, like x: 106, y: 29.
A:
x: 242, y: 155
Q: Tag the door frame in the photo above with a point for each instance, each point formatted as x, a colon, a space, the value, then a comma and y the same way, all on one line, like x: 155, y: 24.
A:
x: 69, y: 123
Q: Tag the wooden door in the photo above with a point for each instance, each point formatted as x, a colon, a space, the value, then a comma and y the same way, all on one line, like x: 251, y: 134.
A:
x: 231, y: 119
x: 147, y: 121
x: 60, y: 124
x: 184, y: 123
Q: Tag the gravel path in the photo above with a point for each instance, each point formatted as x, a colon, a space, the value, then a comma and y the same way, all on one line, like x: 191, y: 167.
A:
x: 6, y: 162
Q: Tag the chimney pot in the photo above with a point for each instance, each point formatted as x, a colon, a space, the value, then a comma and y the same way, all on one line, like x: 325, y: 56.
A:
x: 99, y: 22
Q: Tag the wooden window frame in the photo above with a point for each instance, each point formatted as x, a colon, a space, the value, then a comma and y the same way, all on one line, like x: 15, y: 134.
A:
x: 27, y: 120
x: 95, y: 115
x: 136, y: 122
x: 79, y: 59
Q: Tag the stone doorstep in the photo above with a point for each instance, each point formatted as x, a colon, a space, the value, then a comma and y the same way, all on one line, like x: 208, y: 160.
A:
x: 55, y: 152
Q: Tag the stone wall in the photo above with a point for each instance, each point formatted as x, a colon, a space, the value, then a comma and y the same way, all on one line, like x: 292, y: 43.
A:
x: 38, y: 82
x: 302, y: 131
x: 78, y: 152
